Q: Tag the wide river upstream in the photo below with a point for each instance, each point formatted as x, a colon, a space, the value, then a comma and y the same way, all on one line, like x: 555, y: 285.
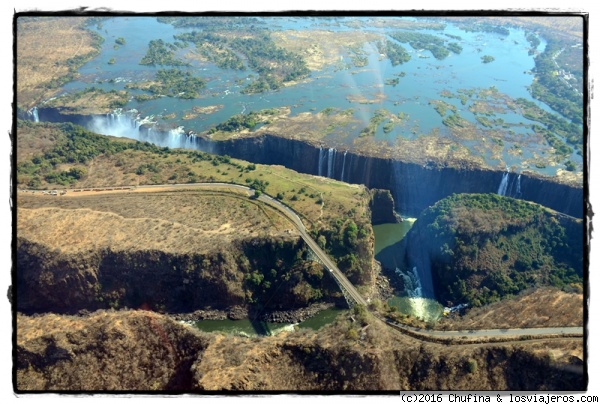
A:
x: 421, y: 82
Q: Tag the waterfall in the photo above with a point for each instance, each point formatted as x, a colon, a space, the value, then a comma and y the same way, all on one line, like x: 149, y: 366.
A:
x: 330, y: 161
x: 119, y: 124
x: 320, y: 170
x: 343, y: 165
x: 177, y: 138
x: 412, y: 282
x: 349, y: 168
x: 503, y: 184
x: 33, y: 112
x: 508, y: 188
x: 414, y: 291
x: 511, y: 185
x: 131, y: 125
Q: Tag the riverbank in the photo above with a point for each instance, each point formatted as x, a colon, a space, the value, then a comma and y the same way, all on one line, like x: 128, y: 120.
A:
x: 248, y: 312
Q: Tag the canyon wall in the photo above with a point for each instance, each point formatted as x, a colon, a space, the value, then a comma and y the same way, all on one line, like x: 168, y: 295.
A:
x: 413, y: 186
x: 49, y: 280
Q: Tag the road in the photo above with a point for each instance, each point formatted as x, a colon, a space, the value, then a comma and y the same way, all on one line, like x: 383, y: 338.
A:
x: 512, y: 333
x: 285, y: 210
x: 341, y: 278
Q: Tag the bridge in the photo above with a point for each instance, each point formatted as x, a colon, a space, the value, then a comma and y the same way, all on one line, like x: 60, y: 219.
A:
x: 350, y: 293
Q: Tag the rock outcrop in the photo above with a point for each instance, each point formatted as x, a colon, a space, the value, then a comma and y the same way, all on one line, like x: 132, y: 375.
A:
x: 382, y: 207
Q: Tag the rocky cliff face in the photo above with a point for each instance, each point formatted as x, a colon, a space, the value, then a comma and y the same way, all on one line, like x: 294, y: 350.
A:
x: 382, y: 207
x: 55, y: 115
x: 51, y: 281
x: 140, y: 350
x: 413, y: 186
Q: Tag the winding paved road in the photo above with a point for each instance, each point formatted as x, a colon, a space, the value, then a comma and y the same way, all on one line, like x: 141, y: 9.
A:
x: 341, y: 278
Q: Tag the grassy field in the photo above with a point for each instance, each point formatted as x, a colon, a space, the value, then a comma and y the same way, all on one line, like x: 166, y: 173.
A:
x: 317, y: 200
x: 543, y: 307
x: 179, y: 221
x: 49, y: 50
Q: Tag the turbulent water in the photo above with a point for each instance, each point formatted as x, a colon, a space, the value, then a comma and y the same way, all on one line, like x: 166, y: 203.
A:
x: 510, y: 187
x: 417, y: 302
x: 503, y: 184
x: 33, y: 114
x: 414, y: 300
x: 131, y: 125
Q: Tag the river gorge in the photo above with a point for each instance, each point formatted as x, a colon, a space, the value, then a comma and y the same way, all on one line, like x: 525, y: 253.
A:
x: 413, y: 186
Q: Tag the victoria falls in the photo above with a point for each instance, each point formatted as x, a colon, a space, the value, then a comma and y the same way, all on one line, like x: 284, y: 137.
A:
x: 300, y: 202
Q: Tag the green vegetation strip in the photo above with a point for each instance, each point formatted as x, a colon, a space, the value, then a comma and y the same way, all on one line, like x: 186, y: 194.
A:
x: 161, y: 53
x: 172, y: 83
x: 555, y: 125
x: 549, y: 88
x: 274, y: 65
x: 484, y: 247
x: 432, y: 43
x: 395, y: 52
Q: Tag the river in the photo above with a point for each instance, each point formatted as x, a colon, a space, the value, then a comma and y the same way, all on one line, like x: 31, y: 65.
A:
x: 262, y: 328
x: 363, y: 89
x: 422, y: 80
x: 409, y: 301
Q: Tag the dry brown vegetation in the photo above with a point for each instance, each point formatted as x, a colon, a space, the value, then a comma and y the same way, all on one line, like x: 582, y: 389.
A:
x: 183, y: 221
x: 89, y: 102
x: 211, y: 109
x: 107, y: 351
x: 179, y: 166
x: 44, y: 45
x: 313, y: 127
x: 140, y: 350
x: 571, y: 26
x: 321, y: 48
x: 543, y: 307
x: 38, y: 141
x: 377, y: 97
x: 555, y: 26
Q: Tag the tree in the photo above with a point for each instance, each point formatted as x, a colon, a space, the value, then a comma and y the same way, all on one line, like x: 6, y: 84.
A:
x: 351, y: 233
x: 322, y: 241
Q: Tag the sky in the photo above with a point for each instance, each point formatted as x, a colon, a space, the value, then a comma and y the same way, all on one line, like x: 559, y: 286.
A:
x: 6, y: 42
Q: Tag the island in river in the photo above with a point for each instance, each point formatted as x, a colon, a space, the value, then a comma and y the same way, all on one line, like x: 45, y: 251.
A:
x: 327, y: 116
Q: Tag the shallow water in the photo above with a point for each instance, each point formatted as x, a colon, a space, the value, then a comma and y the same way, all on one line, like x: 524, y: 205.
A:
x: 425, y: 79
x: 252, y: 328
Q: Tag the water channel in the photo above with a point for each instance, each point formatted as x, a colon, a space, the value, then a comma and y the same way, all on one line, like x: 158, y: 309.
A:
x: 386, y: 235
x: 253, y: 328
x: 342, y: 85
